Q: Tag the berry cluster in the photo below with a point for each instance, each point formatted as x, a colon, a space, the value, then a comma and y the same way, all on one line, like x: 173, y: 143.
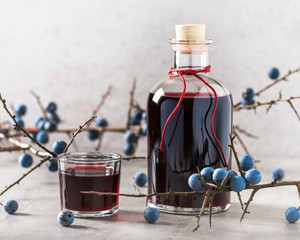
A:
x: 26, y: 160
x: 46, y: 124
x: 234, y: 182
x: 137, y: 117
x: 248, y: 97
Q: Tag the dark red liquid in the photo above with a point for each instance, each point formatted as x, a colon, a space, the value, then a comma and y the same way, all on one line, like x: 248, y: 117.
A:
x: 188, y: 143
x: 88, y: 178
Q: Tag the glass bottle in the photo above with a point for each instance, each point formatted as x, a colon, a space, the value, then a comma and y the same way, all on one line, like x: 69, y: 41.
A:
x: 188, y: 142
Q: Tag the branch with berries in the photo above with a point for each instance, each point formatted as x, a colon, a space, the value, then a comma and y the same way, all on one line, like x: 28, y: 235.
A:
x: 209, y: 182
x: 48, y: 124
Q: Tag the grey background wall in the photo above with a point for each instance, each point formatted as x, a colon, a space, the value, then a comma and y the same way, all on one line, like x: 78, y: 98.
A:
x: 70, y: 51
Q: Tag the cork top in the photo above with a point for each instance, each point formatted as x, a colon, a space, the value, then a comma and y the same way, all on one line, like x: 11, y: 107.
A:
x: 190, y: 38
x: 191, y: 32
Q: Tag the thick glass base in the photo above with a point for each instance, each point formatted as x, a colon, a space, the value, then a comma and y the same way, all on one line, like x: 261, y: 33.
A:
x: 186, y: 211
x: 83, y: 214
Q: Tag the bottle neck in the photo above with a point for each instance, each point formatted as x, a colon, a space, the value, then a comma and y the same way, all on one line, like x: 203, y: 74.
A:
x: 190, y: 60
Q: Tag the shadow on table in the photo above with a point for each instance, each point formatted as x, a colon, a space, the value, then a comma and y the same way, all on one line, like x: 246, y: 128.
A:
x: 126, y: 216
x: 22, y: 214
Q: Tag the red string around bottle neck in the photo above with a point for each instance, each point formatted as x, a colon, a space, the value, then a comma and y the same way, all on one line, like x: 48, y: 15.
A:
x: 179, y: 73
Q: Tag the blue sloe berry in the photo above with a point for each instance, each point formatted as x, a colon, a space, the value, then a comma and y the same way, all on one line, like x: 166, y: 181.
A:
x: 93, y: 134
x: 151, y: 215
x: 128, y: 149
x: 134, y: 122
x: 195, y: 182
x: 20, y: 110
x: 237, y: 184
x: 207, y: 173
x: 54, y: 117
x: 248, y: 94
x: 218, y: 175
x: 25, y: 160
x: 10, y: 206
x: 278, y: 174
x: 253, y: 176
x: 65, y: 218
x: 41, y: 125
x: 19, y: 121
x: 130, y: 137
x: 101, y: 122
x: 59, y: 146
x: 246, y: 162
x: 292, y: 215
x: 50, y: 126
x: 42, y: 137
x: 140, y: 179
x: 51, y: 107
x: 273, y: 73
x: 143, y: 130
x: 144, y: 115
x: 4, y: 131
x: 231, y: 175
x: 39, y: 119
x: 136, y: 114
x: 52, y: 165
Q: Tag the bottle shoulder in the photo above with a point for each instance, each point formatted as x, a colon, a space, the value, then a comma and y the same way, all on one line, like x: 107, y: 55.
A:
x: 193, y: 85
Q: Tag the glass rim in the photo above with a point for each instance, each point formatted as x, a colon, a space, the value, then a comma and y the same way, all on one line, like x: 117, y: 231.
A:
x: 190, y: 42
x: 86, y: 157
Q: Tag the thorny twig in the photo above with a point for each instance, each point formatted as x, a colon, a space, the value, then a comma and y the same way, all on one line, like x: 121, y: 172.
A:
x: 25, y: 174
x: 236, y: 156
x: 38, y: 99
x: 241, y: 142
x: 248, y: 203
x: 131, y: 102
x: 101, y: 103
x: 78, y: 131
x: 237, y: 128
x: 270, y: 103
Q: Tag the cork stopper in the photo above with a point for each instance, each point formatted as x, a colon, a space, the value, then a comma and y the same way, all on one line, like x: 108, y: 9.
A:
x: 194, y: 32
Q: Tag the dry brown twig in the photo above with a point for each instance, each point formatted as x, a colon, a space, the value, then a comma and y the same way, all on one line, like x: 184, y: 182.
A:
x: 237, y: 128
x: 241, y: 142
x: 38, y: 99
x: 78, y: 131
x: 101, y: 103
x: 131, y: 103
x: 270, y: 104
x: 25, y: 174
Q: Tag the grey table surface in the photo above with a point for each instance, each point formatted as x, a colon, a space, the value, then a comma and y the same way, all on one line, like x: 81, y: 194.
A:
x: 38, y: 197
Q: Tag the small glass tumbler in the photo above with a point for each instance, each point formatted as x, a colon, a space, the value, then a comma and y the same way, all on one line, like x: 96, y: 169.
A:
x: 89, y: 171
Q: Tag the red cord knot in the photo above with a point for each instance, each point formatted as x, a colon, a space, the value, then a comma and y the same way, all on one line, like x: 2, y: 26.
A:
x: 179, y: 73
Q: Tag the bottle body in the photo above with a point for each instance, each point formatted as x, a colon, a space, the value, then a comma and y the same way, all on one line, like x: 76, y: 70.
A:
x: 188, y: 143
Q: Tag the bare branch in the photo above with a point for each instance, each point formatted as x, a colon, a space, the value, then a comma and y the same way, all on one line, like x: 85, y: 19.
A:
x: 78, y: 131
x: 38, y: 99
x: 25, y: 174
x: 131, y: 102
